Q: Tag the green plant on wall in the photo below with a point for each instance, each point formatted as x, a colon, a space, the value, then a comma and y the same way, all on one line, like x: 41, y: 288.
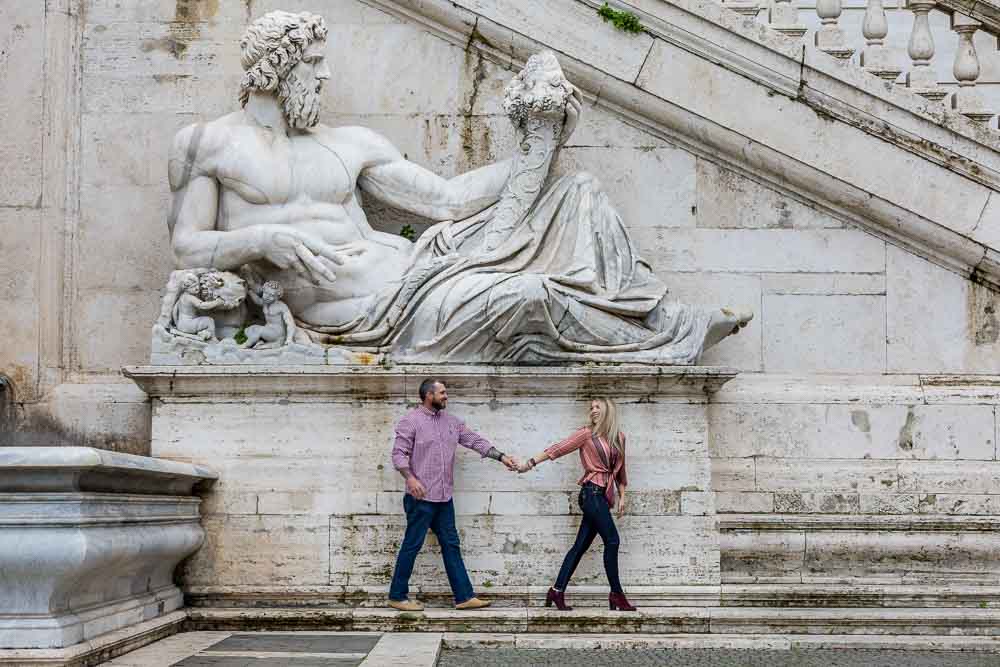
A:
x: 626, y: 21
x: 241, y: 336
x: 408, y: 233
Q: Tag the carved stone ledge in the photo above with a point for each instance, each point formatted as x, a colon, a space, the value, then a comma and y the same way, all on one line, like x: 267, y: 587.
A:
x: 400, y: 382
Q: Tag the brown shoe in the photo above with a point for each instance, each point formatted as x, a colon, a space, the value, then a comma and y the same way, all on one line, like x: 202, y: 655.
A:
x: 406, y: 605
x: 473, y: 603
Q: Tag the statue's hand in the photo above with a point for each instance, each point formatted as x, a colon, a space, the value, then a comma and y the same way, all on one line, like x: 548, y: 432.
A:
x: 574, y: 107
x: 292, y: 249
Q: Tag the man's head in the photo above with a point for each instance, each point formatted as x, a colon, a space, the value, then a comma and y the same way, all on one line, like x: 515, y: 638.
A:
x: 271, y: 292
x: 433, y: 394
x: 283, y: 53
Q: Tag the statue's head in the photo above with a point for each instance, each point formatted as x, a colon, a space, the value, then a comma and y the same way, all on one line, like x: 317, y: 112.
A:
x: 540, y: 89
x: 190, y: 284
x: 271, y: 292
x: 284, y: 53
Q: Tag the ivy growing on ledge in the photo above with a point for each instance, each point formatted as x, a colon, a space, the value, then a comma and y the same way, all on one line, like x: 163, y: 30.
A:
x: 626, y: 21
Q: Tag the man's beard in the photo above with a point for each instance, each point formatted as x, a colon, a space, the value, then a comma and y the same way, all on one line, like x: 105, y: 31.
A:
x: 299, y: 102
x: 438, y: 405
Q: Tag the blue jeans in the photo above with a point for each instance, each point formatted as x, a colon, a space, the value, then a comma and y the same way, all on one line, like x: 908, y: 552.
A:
x: 596, y: 521
x: 439, y: 517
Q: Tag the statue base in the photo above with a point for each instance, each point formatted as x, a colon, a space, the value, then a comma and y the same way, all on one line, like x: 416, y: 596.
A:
x: 308, y: 509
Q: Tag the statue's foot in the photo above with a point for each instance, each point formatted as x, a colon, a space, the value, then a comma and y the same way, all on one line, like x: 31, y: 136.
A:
x: 740, y: 318
x: 204, y: 335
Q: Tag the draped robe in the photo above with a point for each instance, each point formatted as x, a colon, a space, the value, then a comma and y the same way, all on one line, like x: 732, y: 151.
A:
x: 566, y: 284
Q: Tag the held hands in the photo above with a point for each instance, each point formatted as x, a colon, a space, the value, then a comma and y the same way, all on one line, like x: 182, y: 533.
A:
x: 512, y: 463
x: 525, y: 467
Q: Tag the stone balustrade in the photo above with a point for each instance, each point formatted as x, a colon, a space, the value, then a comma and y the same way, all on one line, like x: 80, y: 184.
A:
x: 936, y: 51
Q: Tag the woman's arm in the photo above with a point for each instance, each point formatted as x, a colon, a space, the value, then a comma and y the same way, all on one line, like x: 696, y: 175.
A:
x: 561, y: 448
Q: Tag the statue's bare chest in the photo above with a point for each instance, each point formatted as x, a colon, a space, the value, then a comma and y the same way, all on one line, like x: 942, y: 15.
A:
x: 273, y: 169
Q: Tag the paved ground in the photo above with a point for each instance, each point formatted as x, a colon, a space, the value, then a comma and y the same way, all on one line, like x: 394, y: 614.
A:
x: 497, y: 657
x: 254, y: 649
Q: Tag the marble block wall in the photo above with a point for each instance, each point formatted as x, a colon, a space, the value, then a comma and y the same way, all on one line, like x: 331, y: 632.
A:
x: 83, y: 201
x: 309, y: 505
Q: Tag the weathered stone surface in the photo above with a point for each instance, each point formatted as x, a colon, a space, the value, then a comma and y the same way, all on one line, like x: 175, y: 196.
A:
x: 263, y: 550
x: 743, y: 502
x: 765, y: 250
x: 824, y: 334
x: 962, y: 337
x: 817, y: 475
x: 22, y: 40
x: 505, y: 550
x: 19, y: 292
x: 727, y: 199
x: 651, y: 187
x: 856, y: 431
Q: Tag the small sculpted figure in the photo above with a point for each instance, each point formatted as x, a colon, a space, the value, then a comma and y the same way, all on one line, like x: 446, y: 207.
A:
x: 278, y: 329
x: 186, y: 313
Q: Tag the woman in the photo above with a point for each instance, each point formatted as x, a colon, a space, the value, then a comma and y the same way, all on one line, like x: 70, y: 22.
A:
x: 602, y: 452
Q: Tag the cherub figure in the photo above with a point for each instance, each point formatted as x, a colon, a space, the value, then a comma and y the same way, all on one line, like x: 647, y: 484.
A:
x: 186, y: 309
x: 278, y: 329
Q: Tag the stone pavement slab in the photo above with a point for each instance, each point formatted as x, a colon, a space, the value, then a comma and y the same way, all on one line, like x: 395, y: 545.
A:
x: 416, y: 649
x: 298, y: 643
x: 280, y: 661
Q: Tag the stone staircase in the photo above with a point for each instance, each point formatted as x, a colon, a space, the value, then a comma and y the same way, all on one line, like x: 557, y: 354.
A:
x: 799, y: 120
x: 981, y: 624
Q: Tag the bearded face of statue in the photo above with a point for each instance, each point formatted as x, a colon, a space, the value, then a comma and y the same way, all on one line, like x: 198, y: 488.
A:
x: 299, y: 92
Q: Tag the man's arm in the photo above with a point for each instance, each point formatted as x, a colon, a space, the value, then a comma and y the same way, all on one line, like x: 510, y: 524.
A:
x: 402, y: 452
x: 474, y: 441
x: 393, y: 179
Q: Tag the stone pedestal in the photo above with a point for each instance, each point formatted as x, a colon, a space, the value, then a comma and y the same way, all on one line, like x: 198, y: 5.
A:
x: 308, y: 509
x: 90, y: 543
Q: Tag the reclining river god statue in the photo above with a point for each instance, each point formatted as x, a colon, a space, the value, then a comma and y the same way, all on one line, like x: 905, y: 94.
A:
x: 520, y: 267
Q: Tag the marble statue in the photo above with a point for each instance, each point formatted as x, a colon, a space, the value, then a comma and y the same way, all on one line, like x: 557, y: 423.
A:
x: 518, y: 268
x: 279, y: 328
x: 186, y: 309
x: 201, y: 304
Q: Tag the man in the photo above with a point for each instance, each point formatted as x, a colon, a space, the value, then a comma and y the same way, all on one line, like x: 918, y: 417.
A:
x: 424, y: 454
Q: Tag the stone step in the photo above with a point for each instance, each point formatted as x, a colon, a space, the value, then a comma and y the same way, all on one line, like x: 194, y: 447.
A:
x: 749, y: 642
x: 649, y: 620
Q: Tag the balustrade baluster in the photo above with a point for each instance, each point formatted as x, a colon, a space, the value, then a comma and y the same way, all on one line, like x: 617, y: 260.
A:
x: 966, y: 99
x: 830, y: 37
x: 922, y: 79
x: 876, y: 57
x: 784, y: 17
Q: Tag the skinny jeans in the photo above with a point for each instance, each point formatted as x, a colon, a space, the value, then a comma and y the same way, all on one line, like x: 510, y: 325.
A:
x: 597, y: 520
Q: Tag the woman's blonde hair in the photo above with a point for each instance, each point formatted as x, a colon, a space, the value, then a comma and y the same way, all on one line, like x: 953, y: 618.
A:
x: 607, y: 426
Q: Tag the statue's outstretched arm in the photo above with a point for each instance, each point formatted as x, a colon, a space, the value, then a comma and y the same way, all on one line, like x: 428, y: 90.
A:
x: 398, y: 182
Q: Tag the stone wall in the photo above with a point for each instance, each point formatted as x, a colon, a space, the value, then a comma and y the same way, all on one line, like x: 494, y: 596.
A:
x: 833, y: 415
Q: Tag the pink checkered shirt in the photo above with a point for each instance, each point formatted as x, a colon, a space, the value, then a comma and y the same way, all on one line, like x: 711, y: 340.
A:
x: 425, y: 444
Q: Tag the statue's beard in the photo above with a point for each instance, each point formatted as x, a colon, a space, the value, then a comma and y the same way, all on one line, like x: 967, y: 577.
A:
x: 299, y: 102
